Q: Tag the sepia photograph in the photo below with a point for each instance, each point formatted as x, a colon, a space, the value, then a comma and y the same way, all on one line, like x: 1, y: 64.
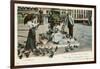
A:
x: 47, y: 34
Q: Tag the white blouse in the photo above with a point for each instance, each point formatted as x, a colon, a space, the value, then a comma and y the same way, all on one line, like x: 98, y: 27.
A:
x: 32, y: 23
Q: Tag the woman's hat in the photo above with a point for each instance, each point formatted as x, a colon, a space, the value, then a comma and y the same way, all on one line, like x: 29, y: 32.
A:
x: 28, y: 18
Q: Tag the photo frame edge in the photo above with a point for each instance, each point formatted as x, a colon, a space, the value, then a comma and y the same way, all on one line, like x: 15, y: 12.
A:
x: 43, y: 65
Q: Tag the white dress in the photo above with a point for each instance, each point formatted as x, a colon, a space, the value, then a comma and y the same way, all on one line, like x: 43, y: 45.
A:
x: 56, y: 37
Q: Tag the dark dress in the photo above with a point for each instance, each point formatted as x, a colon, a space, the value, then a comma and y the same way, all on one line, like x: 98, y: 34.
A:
x: 70, y: 26
x: 31, y: 41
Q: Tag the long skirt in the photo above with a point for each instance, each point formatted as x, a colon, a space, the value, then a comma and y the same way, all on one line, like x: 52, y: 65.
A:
x: 31, y: 41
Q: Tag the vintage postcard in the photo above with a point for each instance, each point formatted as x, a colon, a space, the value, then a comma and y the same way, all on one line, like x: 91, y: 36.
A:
x: 49, y: 34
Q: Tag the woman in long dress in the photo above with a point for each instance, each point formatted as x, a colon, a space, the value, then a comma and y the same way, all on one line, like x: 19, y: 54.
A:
x: 31, y: 21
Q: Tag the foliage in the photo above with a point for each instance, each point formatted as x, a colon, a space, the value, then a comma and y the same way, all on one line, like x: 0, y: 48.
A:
x: 54, y: 16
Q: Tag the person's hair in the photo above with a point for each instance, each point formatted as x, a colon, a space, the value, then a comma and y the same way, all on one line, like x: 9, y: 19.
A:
x: 67, y: 14
x: 29, y: 17
x: 56, y: 30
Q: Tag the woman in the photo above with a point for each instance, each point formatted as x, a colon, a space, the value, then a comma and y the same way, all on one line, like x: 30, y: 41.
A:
x: 31, y: 21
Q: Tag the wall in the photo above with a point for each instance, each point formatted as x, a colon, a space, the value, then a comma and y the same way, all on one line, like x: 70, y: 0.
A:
x: 5, y: 34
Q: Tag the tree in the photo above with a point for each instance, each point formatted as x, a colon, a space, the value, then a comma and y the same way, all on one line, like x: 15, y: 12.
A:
x: 40, y: 17
x: 54, y: 17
